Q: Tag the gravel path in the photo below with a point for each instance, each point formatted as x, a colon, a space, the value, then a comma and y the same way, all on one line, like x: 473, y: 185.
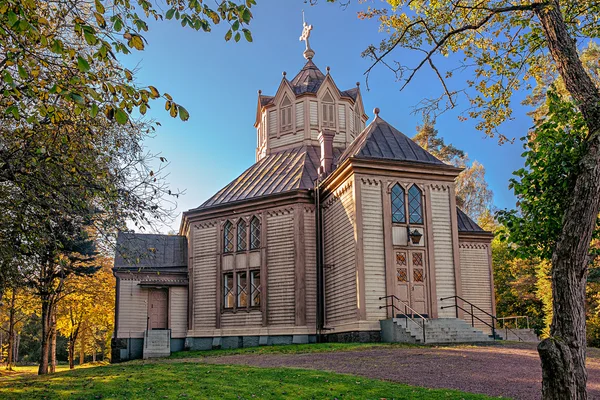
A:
x: 507, y: 370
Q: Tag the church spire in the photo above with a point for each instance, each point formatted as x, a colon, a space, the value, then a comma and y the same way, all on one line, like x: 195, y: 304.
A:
x: 308, y: 53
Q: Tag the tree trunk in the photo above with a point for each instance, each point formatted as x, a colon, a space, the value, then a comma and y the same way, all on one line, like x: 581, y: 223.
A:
x: 53, y: 341
x: 11, y: 332
x: 82, y: 349
x: 46, y: 333
x: 564, y: 375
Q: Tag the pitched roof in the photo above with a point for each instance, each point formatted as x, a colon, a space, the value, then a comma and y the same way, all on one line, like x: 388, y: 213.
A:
x: 308, y: 80
x: 280, y: 172
x: 138, y: 250
x: 466, y: 224
x: 266, y: 100
x: 380, y: 140
x: 352, y: 93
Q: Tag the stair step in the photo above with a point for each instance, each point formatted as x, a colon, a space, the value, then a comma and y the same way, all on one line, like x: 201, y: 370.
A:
x: 442, y: 330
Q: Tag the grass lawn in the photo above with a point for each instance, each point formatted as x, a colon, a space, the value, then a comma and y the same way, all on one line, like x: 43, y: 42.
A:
x: 290, y: 349
x: 177, y: 380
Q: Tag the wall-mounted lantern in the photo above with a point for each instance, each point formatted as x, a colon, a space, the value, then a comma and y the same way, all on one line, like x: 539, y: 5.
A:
x: 414, y: 235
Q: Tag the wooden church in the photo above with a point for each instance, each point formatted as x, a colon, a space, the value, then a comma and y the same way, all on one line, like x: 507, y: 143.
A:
x: 340, y: 231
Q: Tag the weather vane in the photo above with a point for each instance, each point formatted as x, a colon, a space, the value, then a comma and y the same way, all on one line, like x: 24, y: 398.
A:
x: 308, y: 53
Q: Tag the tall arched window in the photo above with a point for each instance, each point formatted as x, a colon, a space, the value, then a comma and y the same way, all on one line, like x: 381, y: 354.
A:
x: 328, y: 111
x: 254, y: 233
x: 241, y: 235
x: 228, y: 237
x: 415, y: 205
x: 398, y: 205
x: 286, y: 115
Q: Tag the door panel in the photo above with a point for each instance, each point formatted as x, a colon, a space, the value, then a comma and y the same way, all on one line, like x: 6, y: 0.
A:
x: 411, y: 280
x: 158, y: 309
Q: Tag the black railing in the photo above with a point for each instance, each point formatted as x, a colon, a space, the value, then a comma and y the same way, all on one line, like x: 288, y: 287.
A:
x: 405, y: 312
x: 473, y: 307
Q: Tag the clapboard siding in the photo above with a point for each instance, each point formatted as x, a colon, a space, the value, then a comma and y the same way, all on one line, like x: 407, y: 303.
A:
x: 205, y: 277
x: 178, y: 304
x: 286, y: 139
x: 272, y: 123
x: 340, y: 257
x: 311, y: 267
x: 242, y: 319
x: 314, y: 113
x: 442, y: 248
x: 300, y: 115
x: 373, y: 249
x: 281, y: 272
x: 475, y: 279
x: 133, y: 309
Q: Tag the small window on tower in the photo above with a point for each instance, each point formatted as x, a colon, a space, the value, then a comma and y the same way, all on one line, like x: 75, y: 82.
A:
x: 286, y: 115
x: 228, y: 237
x: 329, y: 114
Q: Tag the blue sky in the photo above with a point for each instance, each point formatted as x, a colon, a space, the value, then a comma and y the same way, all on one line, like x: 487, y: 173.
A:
x: 217, y: 82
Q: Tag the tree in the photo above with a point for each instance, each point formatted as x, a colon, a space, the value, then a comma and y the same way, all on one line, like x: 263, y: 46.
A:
x: 473, y: 194
x: 16, y: 308
x: 508, y: 45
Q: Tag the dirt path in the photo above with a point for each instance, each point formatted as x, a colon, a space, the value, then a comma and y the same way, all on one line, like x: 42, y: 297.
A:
x: 508, y: 370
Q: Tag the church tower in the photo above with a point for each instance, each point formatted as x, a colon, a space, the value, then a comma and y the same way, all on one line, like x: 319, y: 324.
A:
x: 305, y: 106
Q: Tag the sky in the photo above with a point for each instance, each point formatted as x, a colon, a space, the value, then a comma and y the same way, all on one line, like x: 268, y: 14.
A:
x: 217, y: 82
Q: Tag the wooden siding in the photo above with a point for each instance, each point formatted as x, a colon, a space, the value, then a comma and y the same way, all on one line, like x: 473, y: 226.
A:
x: 342, y: 116
x: 285, y: 139
x: 442, y: 248
x: 311, y: 266
x: 272, y: 123
x: 314, y: 113
x: 340, y: 256
x: 373, y: 248
x: 280, y: 266
x: 205, y: 276
x: 300, y: 115
x: 241, y: 319
x: 178, y: 305
x: 476, y: 280
x: 133, y: 309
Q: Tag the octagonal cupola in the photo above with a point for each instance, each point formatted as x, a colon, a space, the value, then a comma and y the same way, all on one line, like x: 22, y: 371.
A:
x: 306, y: 105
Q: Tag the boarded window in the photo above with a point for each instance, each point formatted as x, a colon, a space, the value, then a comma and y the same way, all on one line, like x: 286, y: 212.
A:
x: 228, y: 295
x: 352, y: 121
x: 398, y: 205
x: 255, y: 288
x: 228, y: 237
x: 342, y: 116
x: 314, y: 113
x: 415, y: 205
x: 299, y: 115
x: 286, y: 115
x: 273, y: 123
x: 254, y: 234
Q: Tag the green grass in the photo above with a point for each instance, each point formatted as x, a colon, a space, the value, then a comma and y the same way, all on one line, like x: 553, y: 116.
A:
x: 290, y: 349
x: 178, y: 380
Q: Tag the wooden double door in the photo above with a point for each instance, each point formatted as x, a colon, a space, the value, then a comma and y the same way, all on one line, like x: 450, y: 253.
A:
x: 411, y: 279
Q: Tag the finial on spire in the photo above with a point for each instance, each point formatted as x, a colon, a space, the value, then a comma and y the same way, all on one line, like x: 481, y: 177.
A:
x: 259, y: 92
x: 376, y: 112
x: 328, y: 69
x: 308, y: 53
x: 284, y: 73
x: 357, y: 84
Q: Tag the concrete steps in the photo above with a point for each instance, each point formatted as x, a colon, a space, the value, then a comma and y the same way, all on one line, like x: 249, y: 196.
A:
x: 437, y: 331
x: 526, y: 335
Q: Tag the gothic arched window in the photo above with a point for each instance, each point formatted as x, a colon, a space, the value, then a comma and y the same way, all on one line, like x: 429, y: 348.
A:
x: 228, y: 237
x: 286, y: 115
x: 328, y: 111
x: 415, y: 205
x: 241, y: 235
x: 254, y: 233
x: 398, y: 207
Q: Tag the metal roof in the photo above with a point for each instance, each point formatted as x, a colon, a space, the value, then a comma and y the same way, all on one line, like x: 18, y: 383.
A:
x: 279, y: 172
x: 139, y: 250
x: 380, y: 140
x: 466, y: 224
x: 308, y: 80
x: 352, y: 93
x: 266, y: 100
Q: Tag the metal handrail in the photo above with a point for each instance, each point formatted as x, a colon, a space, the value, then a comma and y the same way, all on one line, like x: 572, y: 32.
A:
x: 516, y: 318
x: 473, y: 316
x: 407, y: 317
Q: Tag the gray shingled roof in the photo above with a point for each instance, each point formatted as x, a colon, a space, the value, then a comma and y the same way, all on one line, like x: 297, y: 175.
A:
x: 138, y: 250
x: 308, y: 80
x: 279, y: 172
x: 380, y: 140
x: 352, y: 93
x: 266, y: 100
x: 466, y: 224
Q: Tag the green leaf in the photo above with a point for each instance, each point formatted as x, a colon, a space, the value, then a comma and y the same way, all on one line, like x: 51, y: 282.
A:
x: 236, y: 25
x: 100, y: 7
x: 121, y: 116
x: 228, y: 35
x: 170, y: 13
x: 183, y: 114
x: 247, y: 35
x: 22, y: 73
x: 246, y: 16
x: 82, y: 64
x: 94, y: 110
x: 237, y: 37
x: 12, y: 18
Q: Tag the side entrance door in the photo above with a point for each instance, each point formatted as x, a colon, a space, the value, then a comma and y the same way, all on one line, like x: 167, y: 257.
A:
x: 158, y: 303
x: 411, y: 287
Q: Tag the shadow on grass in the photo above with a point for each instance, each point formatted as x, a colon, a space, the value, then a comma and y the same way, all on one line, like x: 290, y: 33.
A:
x: 199, y: 381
